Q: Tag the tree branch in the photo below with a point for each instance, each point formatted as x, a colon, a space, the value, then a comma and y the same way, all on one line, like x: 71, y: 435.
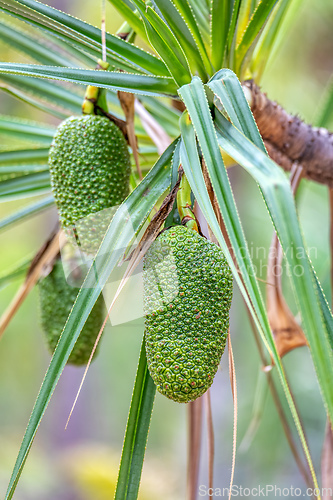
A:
x: 289, y: 140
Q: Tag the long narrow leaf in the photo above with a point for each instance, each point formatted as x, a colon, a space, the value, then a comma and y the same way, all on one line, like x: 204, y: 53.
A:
x: 26, y: 212
x: 18, y: 271
x: 139, y: 84
x: 136, y: 432
x: 26, y: 130
x: 35, y: 102
x: 84, y: 36
x: 19, y: 170
x: 183, y: 34
x: 53, y: 97
x: 120, y: 232
x: 24, y: 161
x: 169, y: 221
x: 23, y: 186
x: 201, y: 15
x: 24, y: 42
x: 273, y: 35
x: 49, y: 93
x: 24, y: 156
x: 257, y: 22
x: 232, y: 28
x: 328, y: 318
x: 131, y: 17
x: 324, y: 116
x: 186, y: 11
x: 165, y: 43
x: 244, y: 15
x: 226, y: 87
x: 219, y: 27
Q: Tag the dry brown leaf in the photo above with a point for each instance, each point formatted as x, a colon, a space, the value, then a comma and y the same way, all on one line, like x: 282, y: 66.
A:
x: 40, y: 266
x: 127, y: 102
x: 288, y: 334
x: 178, y: 105
x: 154, y: 226
x: 286, y: 331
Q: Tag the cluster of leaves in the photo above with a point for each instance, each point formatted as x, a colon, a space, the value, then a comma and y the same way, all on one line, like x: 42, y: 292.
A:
x: 190, y: 40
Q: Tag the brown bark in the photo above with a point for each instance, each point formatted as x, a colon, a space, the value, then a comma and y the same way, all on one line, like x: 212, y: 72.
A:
x: 289, y: 140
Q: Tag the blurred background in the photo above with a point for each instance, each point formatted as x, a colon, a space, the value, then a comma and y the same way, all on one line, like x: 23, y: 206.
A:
x: 82, y: 462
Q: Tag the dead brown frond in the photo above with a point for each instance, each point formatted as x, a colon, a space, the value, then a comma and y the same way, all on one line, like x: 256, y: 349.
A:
x: 40, y: 266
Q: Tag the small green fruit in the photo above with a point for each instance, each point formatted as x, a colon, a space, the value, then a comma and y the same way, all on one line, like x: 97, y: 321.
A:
x: 187, y: 297
x: 90, y: 168
x: 56, y: 301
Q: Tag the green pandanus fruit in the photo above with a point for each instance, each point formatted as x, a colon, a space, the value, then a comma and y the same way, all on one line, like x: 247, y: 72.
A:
x: 56, y: 301
x: 187, y: 298
x: 90, y: 167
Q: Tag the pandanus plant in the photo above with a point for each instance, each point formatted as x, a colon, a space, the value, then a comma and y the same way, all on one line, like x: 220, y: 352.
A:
x: 206, y: 58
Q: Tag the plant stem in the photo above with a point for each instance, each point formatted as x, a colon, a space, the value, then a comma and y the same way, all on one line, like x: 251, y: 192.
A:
x: 95, y: 96
x: 184, y: 205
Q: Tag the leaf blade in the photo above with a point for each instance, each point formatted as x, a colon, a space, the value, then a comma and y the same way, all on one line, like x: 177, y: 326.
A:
x: 84, y: 36
x: 26, y: 212
x: 184, y: 36
x: 165, y: 43
x: 219, y: 27
x: 25, y: 185
x: 129, y: 82
x: 255, y: 25
x: 133, y: 20
x: 26, y: 129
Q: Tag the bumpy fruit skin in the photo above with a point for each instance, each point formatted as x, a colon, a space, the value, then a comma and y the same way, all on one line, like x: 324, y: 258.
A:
x: 187, y: 297
x: 56, y: 301
x: 90, y: 167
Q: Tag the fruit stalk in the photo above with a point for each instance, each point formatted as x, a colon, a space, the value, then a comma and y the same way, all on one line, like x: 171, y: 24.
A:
x: 184, y: 205
x: 95, y: 96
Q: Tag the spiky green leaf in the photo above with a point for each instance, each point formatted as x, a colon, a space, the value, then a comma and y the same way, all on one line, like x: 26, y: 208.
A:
x: 84, y: 36
x: 138, y: 84
x: 26, y: 212
x: 165, y: 43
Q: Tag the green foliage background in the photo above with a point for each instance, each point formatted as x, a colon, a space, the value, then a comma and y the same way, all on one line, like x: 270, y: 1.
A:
x: 63, y: 464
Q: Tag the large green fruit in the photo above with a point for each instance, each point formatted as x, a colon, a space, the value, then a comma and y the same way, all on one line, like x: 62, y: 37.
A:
x: 187, y: 297
x: 90, y: 167
x: 56, y: 301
